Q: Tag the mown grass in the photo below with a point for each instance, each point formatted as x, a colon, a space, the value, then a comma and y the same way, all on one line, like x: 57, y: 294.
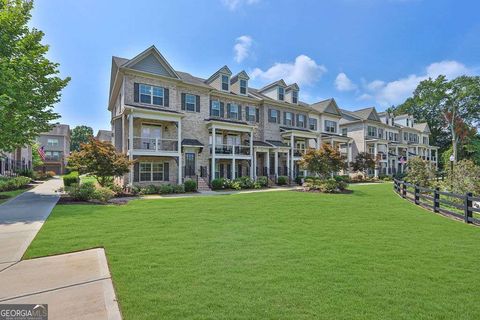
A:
x: 7, y: 195
x: 278, y: 255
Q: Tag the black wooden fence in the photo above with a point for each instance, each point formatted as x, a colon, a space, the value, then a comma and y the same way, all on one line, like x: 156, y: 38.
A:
x: 447, y: 203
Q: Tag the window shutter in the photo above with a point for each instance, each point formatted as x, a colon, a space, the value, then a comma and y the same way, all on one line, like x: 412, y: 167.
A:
x: 183, y: 101
x: 221, y: 170
x: 284, y: 118
x: 305, y: 121
x: 297, y: 117
x: 210, y: 108
x: 246, y: 112
x: 135, y: 92
x: 166, y: 99
x: 278, y: 120
x: 239, y: 112
x: 166, y: 172
x: 257, y: 115
x: 228, y: 110
x: 198, y: 103
x: 269, y: 115
x: 222, y: 111
x: 136, y: 172
x: 293, y: 119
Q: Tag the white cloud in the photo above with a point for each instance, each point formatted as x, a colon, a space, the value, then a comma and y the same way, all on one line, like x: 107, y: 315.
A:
x: 364, y: 96
x: 304, y: 71
x: 233, y: 5
x: 395, y: 92
x: 242, y: 48
x: 343, y: 83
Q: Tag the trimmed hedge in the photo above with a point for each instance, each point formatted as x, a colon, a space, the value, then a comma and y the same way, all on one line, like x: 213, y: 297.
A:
x: 15, y: 183
x: 71, y: 178
x: 282, y: 180
x: 190, y: 186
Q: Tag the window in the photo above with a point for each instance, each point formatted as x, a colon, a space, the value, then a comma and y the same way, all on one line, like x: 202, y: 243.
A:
x: 233, y: 111
x: 52, y: 155
x: 273, y: 116
x: 215, y: 108
x: 294, y: 96
x: 408, y: 125
x: 301, y: 121
x: 52, y: 142
x: 251, y: 112
x: 151, y: 94
x: 371, y: 131
x: 425, y: 140
x: 243, y: 86
x: 281, y: 93
x: 312, y: 124
x: 225, y: 83
x: 380, y: 133
x: 395, y: 137
x: 288, y: 118
x: 190, y: 102
x: 151, y: 171
x: 233, y: 140
x: 330, y: 126
x: 405, y: 136
x: 344, y: 131
x: 390, y: 136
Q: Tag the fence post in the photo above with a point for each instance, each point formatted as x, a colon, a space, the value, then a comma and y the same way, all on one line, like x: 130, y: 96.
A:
x: 417, y: 195
x: 436, y: 200
x: 404, y: 190
x: 468, y: 206
x: 395, y: 185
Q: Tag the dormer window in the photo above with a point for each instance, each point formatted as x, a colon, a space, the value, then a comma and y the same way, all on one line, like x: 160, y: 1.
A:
x: 243, y: 86
x: 225, y: 83
x: 294, y: 96
x: 281, y: 93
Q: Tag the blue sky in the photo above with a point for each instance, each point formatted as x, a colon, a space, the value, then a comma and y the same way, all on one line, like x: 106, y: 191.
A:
x: 362, y: 53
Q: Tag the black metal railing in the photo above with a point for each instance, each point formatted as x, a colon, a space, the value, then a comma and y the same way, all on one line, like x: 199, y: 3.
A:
x: 460, y: 206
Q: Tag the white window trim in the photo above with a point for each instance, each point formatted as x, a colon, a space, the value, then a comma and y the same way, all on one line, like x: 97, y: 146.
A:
x: 151, y: 94
x: 334, y: 123
x: 286, y: 118
x: 240, y: 86
x: 283, y: 93
x: 187, y: 103
x: 274, y: 117
x: 294, y: 92
x: 236, y: 112
x: 254, y: 115
x: 302, y: 121
x: 221, y: 82
x: 151, y: 171
x: 213, y: 109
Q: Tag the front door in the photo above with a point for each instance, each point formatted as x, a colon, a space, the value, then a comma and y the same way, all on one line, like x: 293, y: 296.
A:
x: 189, y: 164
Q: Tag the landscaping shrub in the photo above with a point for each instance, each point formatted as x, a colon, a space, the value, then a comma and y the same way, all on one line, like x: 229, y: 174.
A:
x: 234, y: 184
x: 282, y: 180
x: 103, y: 194
x: 150, y: 189
x: 262, y: 181
x: 166, y: 189
x: 14, y: 183
x: 82, y: 192
x: 71, y: 178
x: 358, y: 177
x: 218, y: 184
x: 298, y: 180
x: 419, y: 172
x: 464, y: 178
x: 190, y: 186
x: 344, y: 178
x: 26, y: 173
x: 50, y: 174
x: 178, y: 188
x: 245, y: 182
x: 325, y: 185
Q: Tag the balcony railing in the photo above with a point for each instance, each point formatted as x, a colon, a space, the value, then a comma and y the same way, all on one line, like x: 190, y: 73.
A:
x: 155, y: 144
x: 230, y: 149
x: 298, y: 152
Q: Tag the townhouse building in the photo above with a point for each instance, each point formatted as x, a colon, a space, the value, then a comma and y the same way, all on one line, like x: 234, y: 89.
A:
x: 390, y: 140
x: 56, y: 145
x: 104, y: 135
x: 178, y: 126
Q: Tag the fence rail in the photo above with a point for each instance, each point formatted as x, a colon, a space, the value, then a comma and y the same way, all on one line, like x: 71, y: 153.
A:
x: 447, y: 203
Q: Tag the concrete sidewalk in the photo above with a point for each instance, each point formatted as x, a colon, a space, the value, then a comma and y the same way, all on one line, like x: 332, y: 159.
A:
x: 22, y: 217
x: 75, y: 285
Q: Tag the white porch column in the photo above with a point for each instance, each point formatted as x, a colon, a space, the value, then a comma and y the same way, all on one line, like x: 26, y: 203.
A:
x: 436, y: 159
x: 416, y: 151
x: 130, y: 146
x: 212, y: 170
x: 292, y: 147
x: 396, y: 159
x: 251, y: 155
x: 254, y: 164
x: 180, y: 166
x: 375, y: 152
x: 268, y: 163
x: 288, y: 165
x: 233, y: 163
x: 388, y: 158
x: 276, y: 164
x: 124, y: 147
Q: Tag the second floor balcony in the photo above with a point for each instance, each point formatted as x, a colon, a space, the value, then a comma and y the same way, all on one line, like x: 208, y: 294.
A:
x: 155, y: 145
x: 231, y: 150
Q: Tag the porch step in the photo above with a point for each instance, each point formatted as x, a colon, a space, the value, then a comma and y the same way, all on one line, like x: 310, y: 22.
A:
x: 203, y: 185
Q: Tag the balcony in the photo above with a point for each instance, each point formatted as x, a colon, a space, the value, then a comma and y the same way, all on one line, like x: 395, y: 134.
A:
x: 155, y: 145
x: 298, y: 152
x: 231, y: 150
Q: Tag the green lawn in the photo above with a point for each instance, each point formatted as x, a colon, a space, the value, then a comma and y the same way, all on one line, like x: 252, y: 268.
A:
x: 278, y: 255
x: 7, y: 195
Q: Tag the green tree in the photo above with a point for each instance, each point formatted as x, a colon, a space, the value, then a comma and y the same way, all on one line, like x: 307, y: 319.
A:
x: 363, y: 162
x: 79, y: 135
x: 464, y: 178
x: 101, y: 160
x: 36, y: 159
x: 322, y: 162
x: 29, y: 85
x: 451, y: 109
x: 419, y: 172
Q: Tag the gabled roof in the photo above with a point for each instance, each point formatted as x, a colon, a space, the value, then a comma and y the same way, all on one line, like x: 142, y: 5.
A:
x: 327, y: 106
x: 293, y: 86
x: 280, y: 83
x: 367, y: 114
x: 242, y: 74
x: 423, y: 127
x: 152, y: 52
x: 224, y: 70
